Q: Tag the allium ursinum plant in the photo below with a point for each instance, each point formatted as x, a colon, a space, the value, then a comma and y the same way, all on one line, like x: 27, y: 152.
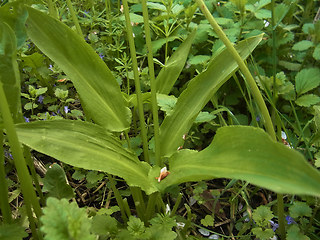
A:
x: 239, y: 152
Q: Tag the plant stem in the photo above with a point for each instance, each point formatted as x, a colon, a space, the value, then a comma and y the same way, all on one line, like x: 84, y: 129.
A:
x: 280, y: 205
x: 52, y: 9
x: 28, y: 192
x: 74, y: 18
x: 254, y: 88
x: 118, y: 197
x: 4, y: 204
x: 154, y: 104
x: 137, y: 82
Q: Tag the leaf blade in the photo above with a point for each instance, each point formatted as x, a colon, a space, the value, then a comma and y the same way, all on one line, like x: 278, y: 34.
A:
x: 85, y: 145
x: 198, y: 93
x: 99, y: 91
x: 249, y: 154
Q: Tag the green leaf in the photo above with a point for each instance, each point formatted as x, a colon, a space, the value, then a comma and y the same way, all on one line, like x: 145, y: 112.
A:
x: 204, y: 117
x: 104, y: 225
x: 199, y: 91
x: 166, y: 103
x: 199, y: 59
x: 316, y: 52
x: 98, y: 89
x: 55, y: 182
x: 157, y: 44
x: 30, y: 105
x: 302, y: 45
x: 94, y: 177
x: 171, y: 71
x: 300, y: 209
x: 9, y: 71
x: 265, y: 234
x: 249, y: 154
x: 86, y: 145
x: 307, y: 79
x: 307, y: 100
x: 15, y: 15
x: 63, y: 220
x: 263, y: 14
x: 207, y: 221
x: 262, y: 215
x: 135, y: 226
x: 12, y: 232
x: 41, y: 91
x: 294, y: 233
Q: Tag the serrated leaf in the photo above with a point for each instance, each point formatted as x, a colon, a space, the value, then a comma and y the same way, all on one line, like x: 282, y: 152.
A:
x: 78, y: 175
x: 166, y: 103
x: 246, y: 153
x: 104, y: 224
x: 316, y: 52
x: 262, y: 215
x: 63, y: 220
x: 55, y: 182
x: 207, y: 221
x: 135, y: 226
x: 263, y: 234
x: 98, y: 89
x: 307, y: 79
x: 94, y: 177
x: 300, y: 209
x: 294, y: 233
x: 307, y: 100
x: 12, y: 232
x: 302, y: 45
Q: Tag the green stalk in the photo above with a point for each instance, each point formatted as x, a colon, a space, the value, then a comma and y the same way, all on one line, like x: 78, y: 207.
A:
x: 154, y: 104
x: 34, y: 175
x: 52, y: 10
x: 118, y: 197
x: 137, y: 82
x: 254, y: 88
x: 280, y: 205
x: 4, y: 204
x: 151, y: 205
x: 74, y: 18
x: 28, y: 192
x: 139, y: 202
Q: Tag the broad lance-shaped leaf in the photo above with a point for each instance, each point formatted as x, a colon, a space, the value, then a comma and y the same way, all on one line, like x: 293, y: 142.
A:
x: 9, y: 71
x: 199, y: 91
x: 99, y: 91
x: 171, y: 71
x: 249, y: 154
x: 86, y: 145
